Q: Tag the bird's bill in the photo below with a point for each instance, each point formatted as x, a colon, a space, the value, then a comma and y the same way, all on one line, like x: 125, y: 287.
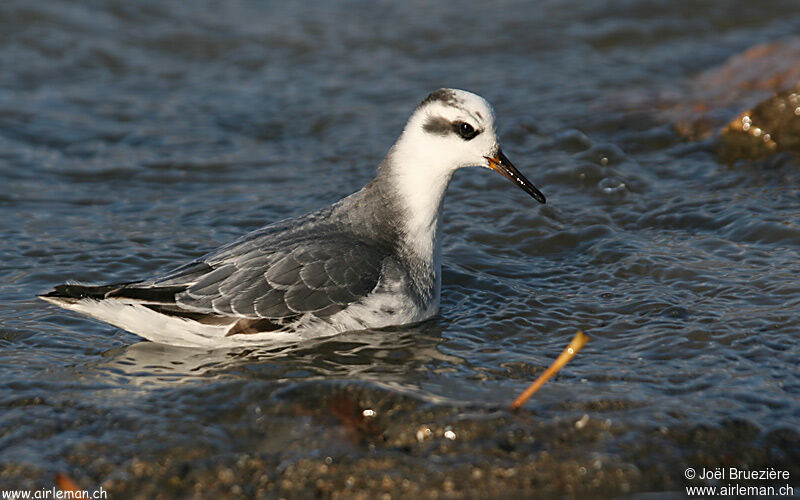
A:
x: 503, y: 165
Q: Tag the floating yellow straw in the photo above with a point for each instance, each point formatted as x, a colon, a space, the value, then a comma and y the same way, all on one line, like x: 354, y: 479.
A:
x: 572, y: 349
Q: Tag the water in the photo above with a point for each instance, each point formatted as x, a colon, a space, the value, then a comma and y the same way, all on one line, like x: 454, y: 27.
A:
x: 137, y: 135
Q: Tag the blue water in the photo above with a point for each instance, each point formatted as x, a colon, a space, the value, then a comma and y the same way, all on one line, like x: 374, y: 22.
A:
x: 137, y: 135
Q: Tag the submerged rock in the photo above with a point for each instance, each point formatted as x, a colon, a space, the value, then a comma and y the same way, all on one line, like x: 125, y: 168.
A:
x: 764, y: 80
x: 770, y: 127
x: 717, y: 95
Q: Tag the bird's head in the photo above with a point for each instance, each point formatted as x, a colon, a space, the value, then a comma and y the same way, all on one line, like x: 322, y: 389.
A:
x: 451, y: 129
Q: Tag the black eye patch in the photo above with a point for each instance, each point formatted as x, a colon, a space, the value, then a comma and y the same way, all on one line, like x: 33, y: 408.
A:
x: 440, y: 126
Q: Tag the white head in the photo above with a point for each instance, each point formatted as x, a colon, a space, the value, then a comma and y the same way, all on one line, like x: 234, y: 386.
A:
x: 451, y: 129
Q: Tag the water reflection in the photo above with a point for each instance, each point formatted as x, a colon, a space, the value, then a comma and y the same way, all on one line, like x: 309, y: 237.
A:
x: 392, y: 356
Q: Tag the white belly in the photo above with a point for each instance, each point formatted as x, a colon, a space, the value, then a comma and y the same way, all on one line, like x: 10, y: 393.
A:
x: 377, y: 310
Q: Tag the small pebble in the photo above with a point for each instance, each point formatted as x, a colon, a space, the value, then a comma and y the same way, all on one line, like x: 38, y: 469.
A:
x: 580, y: 424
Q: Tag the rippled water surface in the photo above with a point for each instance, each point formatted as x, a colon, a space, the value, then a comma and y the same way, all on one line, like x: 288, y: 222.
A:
x: 137, y: 135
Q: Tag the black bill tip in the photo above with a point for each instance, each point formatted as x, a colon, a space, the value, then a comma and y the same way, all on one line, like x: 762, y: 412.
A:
x: 503, y: 165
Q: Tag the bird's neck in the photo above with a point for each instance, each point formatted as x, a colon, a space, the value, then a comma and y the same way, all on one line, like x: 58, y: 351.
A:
x: 420, y: 189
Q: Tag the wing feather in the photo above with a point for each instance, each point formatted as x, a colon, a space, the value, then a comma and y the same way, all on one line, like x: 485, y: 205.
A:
x: 307, y: 276
x: 208, y: 285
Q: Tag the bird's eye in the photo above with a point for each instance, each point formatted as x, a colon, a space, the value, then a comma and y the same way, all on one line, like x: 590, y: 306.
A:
x: 465, y: 130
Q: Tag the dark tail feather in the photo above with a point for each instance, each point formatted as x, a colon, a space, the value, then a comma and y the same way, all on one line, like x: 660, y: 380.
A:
x: 161, y: 295
x: 82, y: 291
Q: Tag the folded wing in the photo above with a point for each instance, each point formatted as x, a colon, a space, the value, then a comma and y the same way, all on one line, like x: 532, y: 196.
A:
x: 322, y: 278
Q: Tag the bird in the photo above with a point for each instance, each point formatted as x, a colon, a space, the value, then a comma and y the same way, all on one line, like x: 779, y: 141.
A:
x: 368, y: 261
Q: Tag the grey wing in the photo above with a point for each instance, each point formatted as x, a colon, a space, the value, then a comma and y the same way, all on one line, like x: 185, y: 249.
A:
x: 322, y: 277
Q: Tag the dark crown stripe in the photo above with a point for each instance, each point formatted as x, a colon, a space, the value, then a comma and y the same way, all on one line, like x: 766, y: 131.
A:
x: 446, y: 96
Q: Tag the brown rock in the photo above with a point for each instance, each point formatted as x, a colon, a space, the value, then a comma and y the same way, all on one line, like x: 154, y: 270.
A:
x: 717, y: 95
x: 770, y: 127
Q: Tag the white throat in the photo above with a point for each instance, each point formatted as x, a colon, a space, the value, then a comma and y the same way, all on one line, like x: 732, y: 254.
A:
x: 420, y: 187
